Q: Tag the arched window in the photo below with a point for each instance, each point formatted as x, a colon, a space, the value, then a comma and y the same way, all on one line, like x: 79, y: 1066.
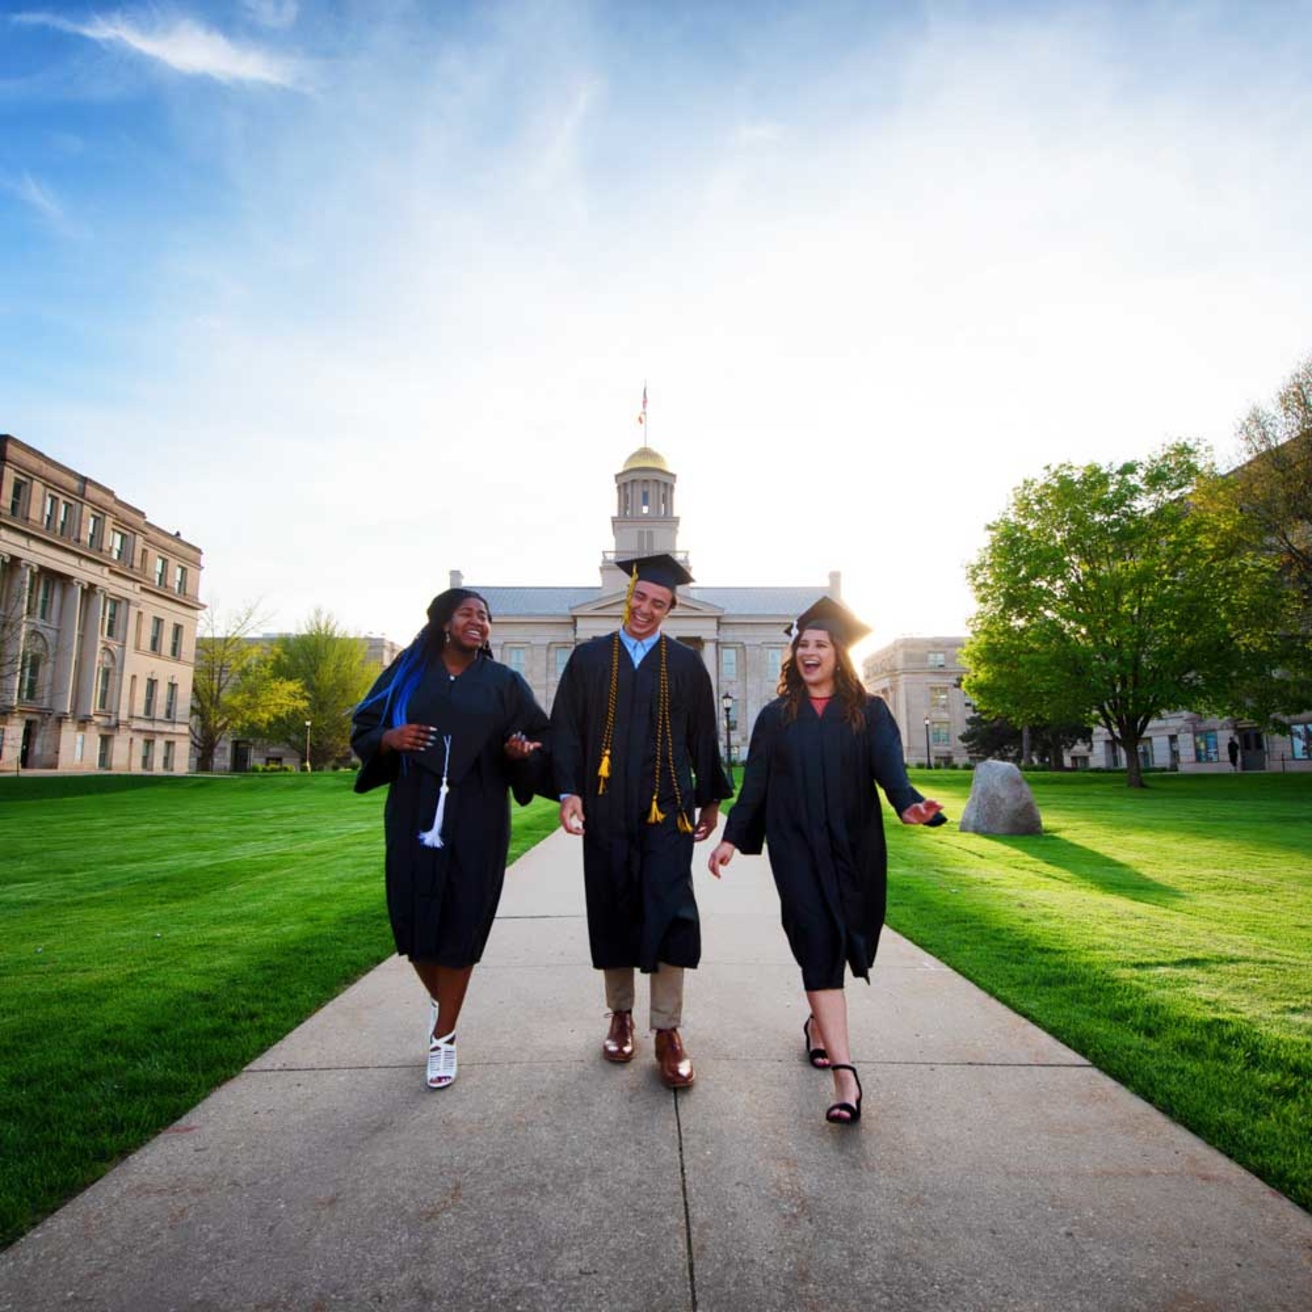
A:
x: 105, y: 679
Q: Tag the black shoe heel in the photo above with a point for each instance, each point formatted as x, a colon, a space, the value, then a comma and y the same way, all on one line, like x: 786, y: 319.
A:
x: 853, y: 1113
x: 818, y: 1057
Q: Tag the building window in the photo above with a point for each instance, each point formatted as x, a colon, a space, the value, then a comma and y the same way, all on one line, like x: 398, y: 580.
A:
x: 180, y: 580
x: 65, y: 515
x: 118, y: 544
x: 175, y: 645
x: 103, y: 685
x: 148, y: 710
x: 30, y: 678
x: 937, y: 660
x: 18, y: 496
x: 156, y: 634
x: 1146, y: 753
x: 728, y: 662
x: 938, y: 697
x: 113, y: 614
x: 562, y: 659
x: 51, y: 517
x: 161, y: 571
x: 1205, y: 748
x: 940, y: 735
x: 646, y: 497
x: 171, y: 702
x: 80, y: 747
x: 147, y: 753
x: 773, y: 660
x: 516, y: 658
x: 104, y: 754
x: 168, y: 756
x: 1300, y: 740
x: 95, y: 530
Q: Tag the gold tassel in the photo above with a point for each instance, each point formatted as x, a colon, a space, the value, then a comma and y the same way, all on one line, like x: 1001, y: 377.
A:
x: 655, y: 815
x: 685, y: 825
x: 628, y: 597
x: 603, y: 770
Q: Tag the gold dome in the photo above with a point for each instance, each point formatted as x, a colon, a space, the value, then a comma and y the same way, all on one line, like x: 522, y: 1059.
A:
x: 646, y: 458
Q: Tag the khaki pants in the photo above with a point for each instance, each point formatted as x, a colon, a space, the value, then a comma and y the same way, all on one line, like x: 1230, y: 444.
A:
x: 666, y: 994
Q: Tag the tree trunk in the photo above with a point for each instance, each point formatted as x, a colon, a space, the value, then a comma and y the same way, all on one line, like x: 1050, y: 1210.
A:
x: 1026, y: 753
x: 1133, y: 769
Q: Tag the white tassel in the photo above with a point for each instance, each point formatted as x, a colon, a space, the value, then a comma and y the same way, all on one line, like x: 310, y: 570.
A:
x: 433, y: 837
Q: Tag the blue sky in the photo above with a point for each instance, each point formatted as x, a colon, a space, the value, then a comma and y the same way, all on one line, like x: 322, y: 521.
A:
x: 353, y: 294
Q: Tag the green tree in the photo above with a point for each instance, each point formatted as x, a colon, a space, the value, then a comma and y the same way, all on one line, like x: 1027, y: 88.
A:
x: 333, y: 668
x: 1270, y: 497
x: 235, y: 689
x: 1104, y: 599
x: 1000, y: 740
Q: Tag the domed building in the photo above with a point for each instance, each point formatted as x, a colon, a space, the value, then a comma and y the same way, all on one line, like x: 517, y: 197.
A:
x: 738, y: 630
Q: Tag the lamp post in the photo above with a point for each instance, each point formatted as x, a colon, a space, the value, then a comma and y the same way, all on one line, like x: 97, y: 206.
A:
x: 727, y: 702
x: 929, y: 760
x: 307, y: 745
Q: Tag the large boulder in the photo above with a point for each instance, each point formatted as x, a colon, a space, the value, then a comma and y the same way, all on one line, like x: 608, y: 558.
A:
x: 1000, y: 802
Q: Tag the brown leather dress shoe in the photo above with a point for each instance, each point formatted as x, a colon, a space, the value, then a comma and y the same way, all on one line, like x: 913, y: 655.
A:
x: 619, y: 1040
x: 674, y: 1062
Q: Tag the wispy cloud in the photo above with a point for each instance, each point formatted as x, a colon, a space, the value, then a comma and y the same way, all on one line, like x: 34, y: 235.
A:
x: 186, y: 47
x: 272, y: 13
x: 39, y: 197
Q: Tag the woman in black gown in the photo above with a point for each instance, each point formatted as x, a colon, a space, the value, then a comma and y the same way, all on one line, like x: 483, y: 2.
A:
x: 809, y: 792
x: 449, y: 730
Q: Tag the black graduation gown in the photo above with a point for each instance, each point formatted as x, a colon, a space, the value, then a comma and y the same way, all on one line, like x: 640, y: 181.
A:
x: 809, y: 792
x: 442, y: 900
x: 637, y: 876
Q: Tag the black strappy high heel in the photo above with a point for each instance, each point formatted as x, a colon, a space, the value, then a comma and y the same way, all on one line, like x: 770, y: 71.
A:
x: 818, y: 1057
x: 853, y: 1113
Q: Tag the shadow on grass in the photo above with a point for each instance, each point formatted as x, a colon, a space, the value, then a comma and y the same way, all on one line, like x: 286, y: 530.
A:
x: 1092, y: 867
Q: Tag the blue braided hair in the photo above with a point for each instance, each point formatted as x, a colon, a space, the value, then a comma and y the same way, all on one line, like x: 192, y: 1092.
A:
x: 419, y: 656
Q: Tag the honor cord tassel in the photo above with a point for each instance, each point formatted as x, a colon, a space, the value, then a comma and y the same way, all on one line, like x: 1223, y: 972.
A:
x: 433, y: 837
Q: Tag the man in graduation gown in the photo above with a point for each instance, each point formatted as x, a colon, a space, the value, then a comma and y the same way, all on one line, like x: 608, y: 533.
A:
x: 638, y: 772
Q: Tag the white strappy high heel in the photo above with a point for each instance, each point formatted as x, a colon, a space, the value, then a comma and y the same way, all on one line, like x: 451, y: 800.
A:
x: 441, y: 1053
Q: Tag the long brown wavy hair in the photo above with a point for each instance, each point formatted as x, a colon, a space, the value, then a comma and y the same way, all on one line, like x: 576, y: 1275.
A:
x: 852, y: 696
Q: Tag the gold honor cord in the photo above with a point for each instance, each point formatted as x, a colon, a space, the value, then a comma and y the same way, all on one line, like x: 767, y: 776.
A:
x: 663, y: 731
x: 608, y: 734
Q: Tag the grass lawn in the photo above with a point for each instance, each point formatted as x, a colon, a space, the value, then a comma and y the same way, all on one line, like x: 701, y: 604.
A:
x: 1165, y: 934
x: 156, y: 935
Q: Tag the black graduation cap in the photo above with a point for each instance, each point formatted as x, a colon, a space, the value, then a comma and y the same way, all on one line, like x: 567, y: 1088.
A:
x: 836, y: 620
x: 663, y: 570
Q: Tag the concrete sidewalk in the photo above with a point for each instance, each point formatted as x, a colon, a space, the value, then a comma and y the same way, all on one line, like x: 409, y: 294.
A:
x: 993, y: 1168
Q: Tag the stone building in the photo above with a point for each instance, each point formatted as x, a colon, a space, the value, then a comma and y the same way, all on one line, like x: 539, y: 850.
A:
x: 739, y: 631
x: 98, y: 610
x: 920, y: 679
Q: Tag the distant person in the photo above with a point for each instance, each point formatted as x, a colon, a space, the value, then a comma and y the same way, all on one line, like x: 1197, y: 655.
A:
x: 449, y: 730
x: 1232, y: 751
x: 809, y: 793
x: 637, y: 767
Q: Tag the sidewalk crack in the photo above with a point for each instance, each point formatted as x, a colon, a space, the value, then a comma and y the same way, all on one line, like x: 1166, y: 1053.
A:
x: 687, y: 1213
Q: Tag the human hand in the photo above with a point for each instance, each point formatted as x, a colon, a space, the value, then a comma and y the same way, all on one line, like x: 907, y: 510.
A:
x: 723, y: 854
x: 409, y: 738
x: 571, y: 814
x: 919, y: 813
x: 518, y: 748
x: 706, y: 822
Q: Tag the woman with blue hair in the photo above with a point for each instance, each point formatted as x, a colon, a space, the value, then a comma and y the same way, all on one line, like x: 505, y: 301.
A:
x: 450, y: 731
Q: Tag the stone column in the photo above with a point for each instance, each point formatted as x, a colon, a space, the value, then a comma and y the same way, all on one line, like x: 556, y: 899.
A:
x: 61, y: 688
x: 14, y: 623
x: 84, y: 699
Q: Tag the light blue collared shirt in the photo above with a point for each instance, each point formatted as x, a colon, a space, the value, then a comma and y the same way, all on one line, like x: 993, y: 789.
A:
x: 638, y: 647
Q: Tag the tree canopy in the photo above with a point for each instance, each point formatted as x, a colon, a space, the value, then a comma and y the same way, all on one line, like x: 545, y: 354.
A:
x: 1104, y: 598
x: 235, y: 689
x: 333, y: 669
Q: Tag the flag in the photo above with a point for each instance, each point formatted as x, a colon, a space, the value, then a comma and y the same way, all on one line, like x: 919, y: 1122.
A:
x: 642, y: 418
